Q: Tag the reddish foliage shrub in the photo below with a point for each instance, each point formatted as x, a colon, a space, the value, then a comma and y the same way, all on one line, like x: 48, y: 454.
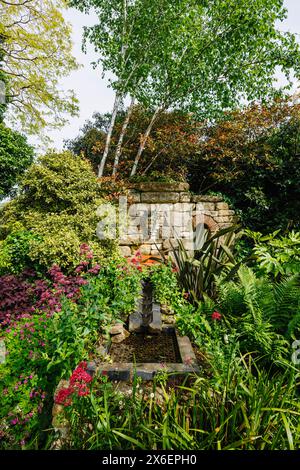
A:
x: 24, y: 294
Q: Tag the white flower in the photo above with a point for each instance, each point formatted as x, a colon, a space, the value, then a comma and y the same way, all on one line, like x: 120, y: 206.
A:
x: 151, y: 395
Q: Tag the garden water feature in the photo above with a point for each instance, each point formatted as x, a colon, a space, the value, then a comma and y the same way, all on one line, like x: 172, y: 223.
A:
x: 151, y: 347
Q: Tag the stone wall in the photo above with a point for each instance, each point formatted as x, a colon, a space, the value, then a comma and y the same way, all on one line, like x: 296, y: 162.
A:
x: 158, y: 214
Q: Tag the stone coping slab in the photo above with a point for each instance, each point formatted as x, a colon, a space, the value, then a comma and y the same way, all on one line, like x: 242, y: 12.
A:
x: 159, y: 187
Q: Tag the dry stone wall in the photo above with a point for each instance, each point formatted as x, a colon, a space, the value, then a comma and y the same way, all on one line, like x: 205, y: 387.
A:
x: 159, y: 214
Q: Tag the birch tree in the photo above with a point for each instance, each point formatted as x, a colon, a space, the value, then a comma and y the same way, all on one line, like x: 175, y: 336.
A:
x: 205, y: 57
x: 129, y: 36
x: 226, y: 53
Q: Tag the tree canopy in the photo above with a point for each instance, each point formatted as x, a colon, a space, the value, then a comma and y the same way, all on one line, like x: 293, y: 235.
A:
x: 36, y: 52
x: 203, y: 57
x: 15, y: 156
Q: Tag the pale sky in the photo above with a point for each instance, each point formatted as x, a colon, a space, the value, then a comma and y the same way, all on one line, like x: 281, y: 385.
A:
x: 93, y: 92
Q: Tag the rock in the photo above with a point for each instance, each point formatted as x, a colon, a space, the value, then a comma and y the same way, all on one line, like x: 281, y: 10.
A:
x: 134, y: 196
x: 120, y: 337
x: 169, y: 319
x: 145, y: 249
x: 116, y: 329
x: 125, y: 251
x: 135, y: 322
x: 225, y: 213
x: 208, y: 206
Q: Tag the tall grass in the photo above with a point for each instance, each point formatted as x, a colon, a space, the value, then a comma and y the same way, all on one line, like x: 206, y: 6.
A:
x: 245, y: 408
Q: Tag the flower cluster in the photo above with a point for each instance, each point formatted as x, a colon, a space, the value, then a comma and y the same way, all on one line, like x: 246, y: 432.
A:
x: 216, y: 316
x: 21, y: 296
x: 86, y: 265
x: 79, y: 381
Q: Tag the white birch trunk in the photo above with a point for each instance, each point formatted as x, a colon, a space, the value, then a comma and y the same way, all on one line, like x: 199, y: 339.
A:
x: 144, y: 141
x: 109, y: 134
x: 121, y: 138
x: 116, y: 103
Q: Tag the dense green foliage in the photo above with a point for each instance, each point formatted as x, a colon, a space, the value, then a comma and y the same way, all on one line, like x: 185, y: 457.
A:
x: 276, y: 254
x: 251, y: 156
x: 15, y: 156
x: 58, y: 203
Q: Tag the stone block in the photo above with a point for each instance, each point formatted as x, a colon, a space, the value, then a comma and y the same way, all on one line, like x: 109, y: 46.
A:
x: 145, y: 374
x: 135, y: 322
x: 184, y: 197
x: 125, y: 251
x: 211, y: 213
x: 225, y: 213
x: 186, y: 351
x: 182, y: 207
x: 169, y: 244
x: 187, y: 235
x: 203, y: 198
x: 208, y: 206
x: 157, y: 186
x: 222, y: 206
x: 145, y: 249
x: 133, y: 197
x: 156, y: 325
x: 121, y: 374
x: 156, y: 197
x: 221, y: 219
x: 156, y: 246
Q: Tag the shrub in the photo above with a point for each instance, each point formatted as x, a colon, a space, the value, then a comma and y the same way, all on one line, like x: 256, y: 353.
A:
x: 58, y: 204
x: 276, y: 254
x: 15, y: 252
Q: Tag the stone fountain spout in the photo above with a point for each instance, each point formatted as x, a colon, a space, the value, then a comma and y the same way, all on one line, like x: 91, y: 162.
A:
x: 147, y: 316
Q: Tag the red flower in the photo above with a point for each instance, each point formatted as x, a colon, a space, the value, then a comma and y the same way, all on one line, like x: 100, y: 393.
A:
x: 63, y: 396
x: 216, y: 316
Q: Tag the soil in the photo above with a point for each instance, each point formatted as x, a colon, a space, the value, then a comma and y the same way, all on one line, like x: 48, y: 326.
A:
x: 146, y: 348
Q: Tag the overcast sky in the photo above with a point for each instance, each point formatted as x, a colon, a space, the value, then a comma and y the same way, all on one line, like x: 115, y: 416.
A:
x: 93, y: 92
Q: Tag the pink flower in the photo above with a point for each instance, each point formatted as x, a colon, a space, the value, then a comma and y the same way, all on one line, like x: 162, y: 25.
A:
x: 216, y: 316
